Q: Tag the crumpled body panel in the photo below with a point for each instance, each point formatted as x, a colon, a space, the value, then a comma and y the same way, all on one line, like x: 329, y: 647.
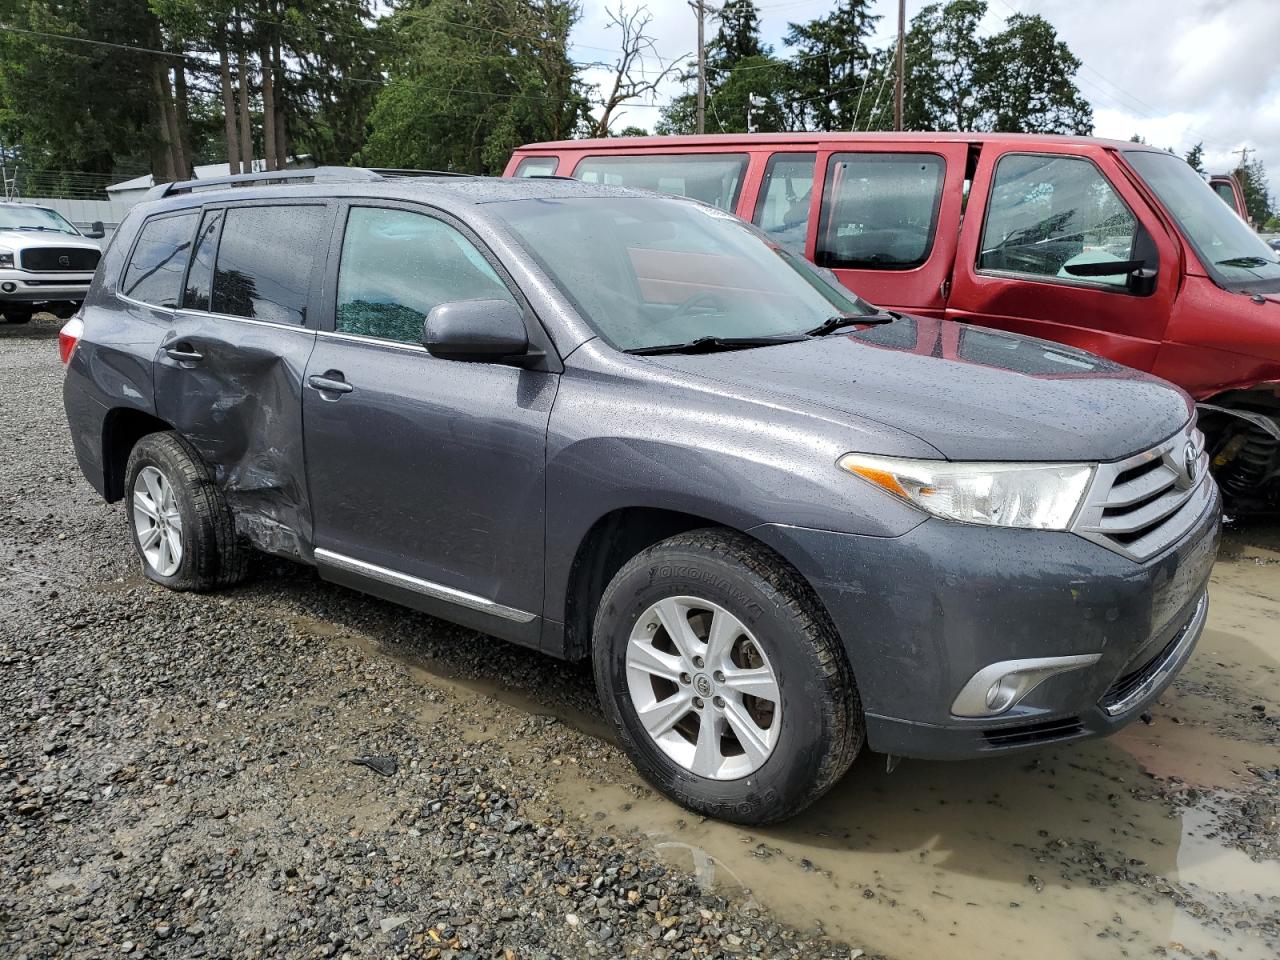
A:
x: 241, y: 407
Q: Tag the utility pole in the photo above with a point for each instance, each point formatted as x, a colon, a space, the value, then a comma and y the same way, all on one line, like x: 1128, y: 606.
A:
x: 902, y: 44
x: 700, y: 8
x: 1244, y: 156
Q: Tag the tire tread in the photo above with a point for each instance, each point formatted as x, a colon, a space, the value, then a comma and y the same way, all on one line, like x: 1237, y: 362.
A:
x: 788, y: 590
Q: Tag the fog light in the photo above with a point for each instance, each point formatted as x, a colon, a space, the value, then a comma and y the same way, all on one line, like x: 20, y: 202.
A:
x: 1000, y: 686
x: 9, y: 286
x: 999, y: 695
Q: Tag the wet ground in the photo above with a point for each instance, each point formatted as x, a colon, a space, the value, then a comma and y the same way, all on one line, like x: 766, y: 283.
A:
x: 1161, y: 841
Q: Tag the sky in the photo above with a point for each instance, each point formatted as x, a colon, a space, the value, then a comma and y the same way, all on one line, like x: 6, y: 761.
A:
x: 1177, y: 72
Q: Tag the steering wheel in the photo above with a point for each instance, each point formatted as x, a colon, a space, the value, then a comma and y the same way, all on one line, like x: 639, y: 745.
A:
x: 703, y: 298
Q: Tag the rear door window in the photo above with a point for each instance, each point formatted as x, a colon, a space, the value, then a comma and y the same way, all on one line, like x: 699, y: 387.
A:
x: 537, y: 167
x: 1049, y: 213
x: 879, y: 210
x: 782, y: 209
x: 265, y: 260
x: 159, y: 260
x: 397, y: 265
x: 200, y: 276
x: 714, y: 178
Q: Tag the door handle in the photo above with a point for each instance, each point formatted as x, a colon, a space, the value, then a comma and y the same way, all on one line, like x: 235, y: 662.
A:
x: 184, y: 353
x: 329, y: 384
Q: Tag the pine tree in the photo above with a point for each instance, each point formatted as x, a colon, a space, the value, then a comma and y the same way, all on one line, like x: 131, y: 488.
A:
x: 1195, y: 157
x: 831, y: 74
x: 737, y: 38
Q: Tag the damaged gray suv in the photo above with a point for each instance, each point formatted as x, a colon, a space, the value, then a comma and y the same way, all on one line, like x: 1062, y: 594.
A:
x: 783, y: 525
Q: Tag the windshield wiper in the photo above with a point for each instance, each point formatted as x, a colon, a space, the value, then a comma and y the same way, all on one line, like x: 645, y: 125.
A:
x: 832, y: 324
x: 1243, y: 262
x: 714, y: 345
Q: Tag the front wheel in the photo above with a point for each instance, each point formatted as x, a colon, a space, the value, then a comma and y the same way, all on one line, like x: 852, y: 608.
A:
x: 15, y: 313
x: 724, y: 679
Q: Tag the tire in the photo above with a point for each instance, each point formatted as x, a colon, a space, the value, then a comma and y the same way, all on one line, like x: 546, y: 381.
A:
x: 17, y: 314
x: 804, y: 739
x: 208, y: 555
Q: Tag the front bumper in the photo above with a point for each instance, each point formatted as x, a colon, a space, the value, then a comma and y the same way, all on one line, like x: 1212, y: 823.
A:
x: 24, y: 286
x: 921, y: 614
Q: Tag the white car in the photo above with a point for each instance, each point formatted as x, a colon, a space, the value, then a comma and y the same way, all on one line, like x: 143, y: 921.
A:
x: 45, y: 262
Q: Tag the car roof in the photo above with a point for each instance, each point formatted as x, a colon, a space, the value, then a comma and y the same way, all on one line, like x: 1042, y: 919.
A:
x: 817, y: 137
x: 448, y: 191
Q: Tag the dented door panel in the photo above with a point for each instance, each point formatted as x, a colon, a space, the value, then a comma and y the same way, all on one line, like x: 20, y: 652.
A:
x: 240, y: 405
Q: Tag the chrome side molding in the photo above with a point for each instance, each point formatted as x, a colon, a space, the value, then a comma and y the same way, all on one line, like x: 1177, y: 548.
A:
x: 426, y: 588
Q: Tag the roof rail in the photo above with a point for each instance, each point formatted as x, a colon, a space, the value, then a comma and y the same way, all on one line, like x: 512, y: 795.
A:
x: 299, y: 175
x: 398, y: 172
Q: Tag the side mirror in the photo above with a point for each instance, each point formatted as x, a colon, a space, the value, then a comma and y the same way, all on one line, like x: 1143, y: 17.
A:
x: 1141, y: 282
x: 1139, y: 278
x: 96, y: 231
x: 484, y: 331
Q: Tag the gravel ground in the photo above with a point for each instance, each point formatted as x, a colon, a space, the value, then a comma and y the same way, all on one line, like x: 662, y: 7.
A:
x: 176, y: 775
x: 177, y: 780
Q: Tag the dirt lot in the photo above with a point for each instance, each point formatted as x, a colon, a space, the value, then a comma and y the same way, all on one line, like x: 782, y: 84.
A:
x: 175, y: 781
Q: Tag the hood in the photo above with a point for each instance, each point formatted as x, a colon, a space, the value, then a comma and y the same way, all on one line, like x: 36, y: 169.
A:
x: 969, y: 392
x: 30, y: 239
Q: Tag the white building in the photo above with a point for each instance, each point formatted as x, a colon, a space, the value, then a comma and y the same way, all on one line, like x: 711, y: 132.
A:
x: 131, y: 191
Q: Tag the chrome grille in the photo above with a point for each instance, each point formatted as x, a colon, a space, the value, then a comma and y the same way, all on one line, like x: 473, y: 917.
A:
x: 1143, y: 504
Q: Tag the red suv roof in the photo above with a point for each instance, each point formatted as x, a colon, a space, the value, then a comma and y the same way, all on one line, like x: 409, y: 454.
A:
x: 732, y: 139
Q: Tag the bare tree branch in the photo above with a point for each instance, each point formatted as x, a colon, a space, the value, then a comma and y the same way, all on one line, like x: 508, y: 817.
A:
x: 630, y: 79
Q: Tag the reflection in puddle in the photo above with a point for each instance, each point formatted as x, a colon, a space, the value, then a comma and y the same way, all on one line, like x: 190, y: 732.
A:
x: 1069, y: 857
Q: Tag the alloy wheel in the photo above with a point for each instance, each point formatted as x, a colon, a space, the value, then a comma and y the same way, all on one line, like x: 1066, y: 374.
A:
x: 703, y: 688
x: 157, y: 522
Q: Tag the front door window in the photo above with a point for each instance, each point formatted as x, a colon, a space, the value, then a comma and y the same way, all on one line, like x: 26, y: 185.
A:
x: 1049, y: 214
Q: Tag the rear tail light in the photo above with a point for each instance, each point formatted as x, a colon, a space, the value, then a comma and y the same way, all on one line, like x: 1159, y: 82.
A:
x: 68, y: 337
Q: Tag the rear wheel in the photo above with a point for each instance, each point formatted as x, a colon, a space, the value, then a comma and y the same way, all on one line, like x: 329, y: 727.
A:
x: 724, y: 679
x: 181, y: 526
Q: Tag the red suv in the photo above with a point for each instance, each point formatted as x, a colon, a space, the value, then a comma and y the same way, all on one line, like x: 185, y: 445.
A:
x: 1111, y: 246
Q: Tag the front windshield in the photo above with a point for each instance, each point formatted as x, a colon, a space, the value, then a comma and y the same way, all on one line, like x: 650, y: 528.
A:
x: 34, y: 218
x: 1234, y: 255
x: 647, y: 272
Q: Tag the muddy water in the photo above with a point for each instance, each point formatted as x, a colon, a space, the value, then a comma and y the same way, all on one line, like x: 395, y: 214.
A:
x: 1106, y: 849
x: 1109, y: 849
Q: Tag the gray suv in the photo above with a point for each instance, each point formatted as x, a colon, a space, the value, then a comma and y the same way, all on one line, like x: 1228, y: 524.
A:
x: 603, y: 423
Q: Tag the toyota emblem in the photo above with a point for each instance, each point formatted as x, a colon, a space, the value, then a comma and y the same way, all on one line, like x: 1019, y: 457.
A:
x: 64, y: 261
x: 1191, y: 461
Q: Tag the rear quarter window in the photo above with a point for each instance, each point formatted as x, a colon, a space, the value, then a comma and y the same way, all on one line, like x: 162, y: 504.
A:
x: 537, y: 167
x: 714, y: 178
x: 159, y: 260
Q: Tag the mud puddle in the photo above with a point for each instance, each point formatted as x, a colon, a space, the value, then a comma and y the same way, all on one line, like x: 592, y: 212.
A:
x: 1129, y: 847
x: 1114, y: 848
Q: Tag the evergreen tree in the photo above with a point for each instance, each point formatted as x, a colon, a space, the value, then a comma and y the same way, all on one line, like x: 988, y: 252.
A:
x: 737, y: 38
x: 1195, y: 157
x: 830, y: 72
x: 473, y: 80
x: 1024, y: 81
x: 1257, y: 193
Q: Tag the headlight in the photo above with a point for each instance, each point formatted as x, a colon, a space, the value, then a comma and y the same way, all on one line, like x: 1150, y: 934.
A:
x: 6, y: 259
x: 1037, y: 496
